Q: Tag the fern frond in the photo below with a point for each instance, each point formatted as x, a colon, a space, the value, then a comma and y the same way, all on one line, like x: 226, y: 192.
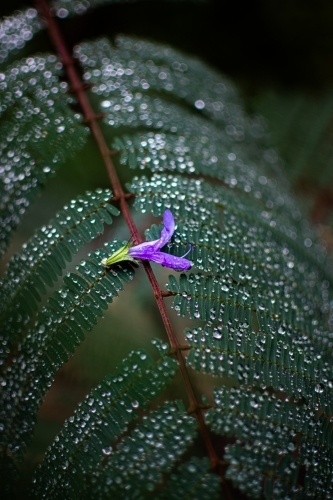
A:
x: 216, y: 298
x: 16, y: 30
x: 277, y: 253
x: 196, y: 200
x: 275, y: 439
x: 162, y: 69
x: 38, y: 132
x: 260, y: 284
x: 193, y: 102
x: 160, y: 152
x: 138, y: 85
x: 208, y: 154
x: 58, y: 330
x: 243, y: 254
x: 43, y: 259
x: 187, y: 198
x: 192, y: 481
x: 261, y: 359
x: 84, y: 443
x: 152, y: 449
x: 137, y: 66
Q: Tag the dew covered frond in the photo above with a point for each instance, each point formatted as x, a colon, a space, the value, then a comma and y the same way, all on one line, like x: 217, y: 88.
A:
x: 192, y: 480
x: 149, y: 452
x: 261, y: 360
x: 251, y: 263
x: 224, y: 301
x: 44, y: 257
x: 141, y: 85
x: 134, y: 63
x: 276, y: 441
x: 38, y: 131
x: 87, y: 440
x: 17, y: 30
x: 243, y: 254
x: 59, y: 328
x: 167, y: 152
x: 197, y: 201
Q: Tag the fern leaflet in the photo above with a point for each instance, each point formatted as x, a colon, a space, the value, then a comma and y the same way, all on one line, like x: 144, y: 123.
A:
x: 152, y: 449
x: 59, y: 328
x: 38, y: 132
x: 43, y: 259
x: 16, y: 30
x: 192, y: 480
x: 275, y: 438
x: 84, y: 443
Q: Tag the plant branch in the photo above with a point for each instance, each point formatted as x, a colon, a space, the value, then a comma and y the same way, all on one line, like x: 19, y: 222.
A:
x: 92, y: 119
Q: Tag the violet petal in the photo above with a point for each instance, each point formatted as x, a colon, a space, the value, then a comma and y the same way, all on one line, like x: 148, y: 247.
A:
x: 167, y: 260
x: 144, y: 250
x: 168, y: 230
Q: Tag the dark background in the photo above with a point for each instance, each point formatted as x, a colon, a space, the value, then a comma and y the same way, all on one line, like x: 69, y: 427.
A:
x: 280, y: 43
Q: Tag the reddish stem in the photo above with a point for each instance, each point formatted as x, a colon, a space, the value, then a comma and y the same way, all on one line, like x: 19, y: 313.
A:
x: 91, y: 118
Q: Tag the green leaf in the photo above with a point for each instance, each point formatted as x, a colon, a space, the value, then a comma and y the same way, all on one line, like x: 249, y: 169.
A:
x: 192, y: 480
x: 16, y: 30
x: 261, y: 360
x: 42, y: 260
x: 150, y: 451
x: 43, y: 130
x: 104, y: 415
x: 58, y: 330
x: 275, y: 437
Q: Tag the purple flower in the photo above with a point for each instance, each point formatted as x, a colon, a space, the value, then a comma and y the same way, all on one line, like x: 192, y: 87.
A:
x: 151, y: 250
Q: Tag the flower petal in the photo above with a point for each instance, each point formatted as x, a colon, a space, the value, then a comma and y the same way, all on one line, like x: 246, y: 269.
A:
x: 167, y: 260
x: 144, y: 250
x: 168, y: 230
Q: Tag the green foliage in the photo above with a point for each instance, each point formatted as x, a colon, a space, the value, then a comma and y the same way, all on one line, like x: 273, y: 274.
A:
x: 38, y: 132
x: 16, y: 30
x: 192, y: 480
x: 268, y: 431
x: 261, y: 359
x: 83, y: 447
x: 58, y: 329
x: 259, y: 292
x: 43, y: 259
x: 151, y: 450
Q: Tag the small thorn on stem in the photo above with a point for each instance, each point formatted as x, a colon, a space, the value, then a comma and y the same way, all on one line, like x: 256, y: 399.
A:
x: 93, y: 117
x: 74, y: 90
x: 114, y: 152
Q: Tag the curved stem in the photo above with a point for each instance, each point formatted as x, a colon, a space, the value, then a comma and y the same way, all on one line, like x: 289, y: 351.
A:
x: 92, y: 120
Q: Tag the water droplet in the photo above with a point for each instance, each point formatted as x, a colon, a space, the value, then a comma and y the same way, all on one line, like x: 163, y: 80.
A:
x: 199, y: 104
x: 62, y: 13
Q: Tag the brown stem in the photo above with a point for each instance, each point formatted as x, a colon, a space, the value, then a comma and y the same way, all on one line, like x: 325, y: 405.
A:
x: 91, y: 118
x: 167, y: 293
